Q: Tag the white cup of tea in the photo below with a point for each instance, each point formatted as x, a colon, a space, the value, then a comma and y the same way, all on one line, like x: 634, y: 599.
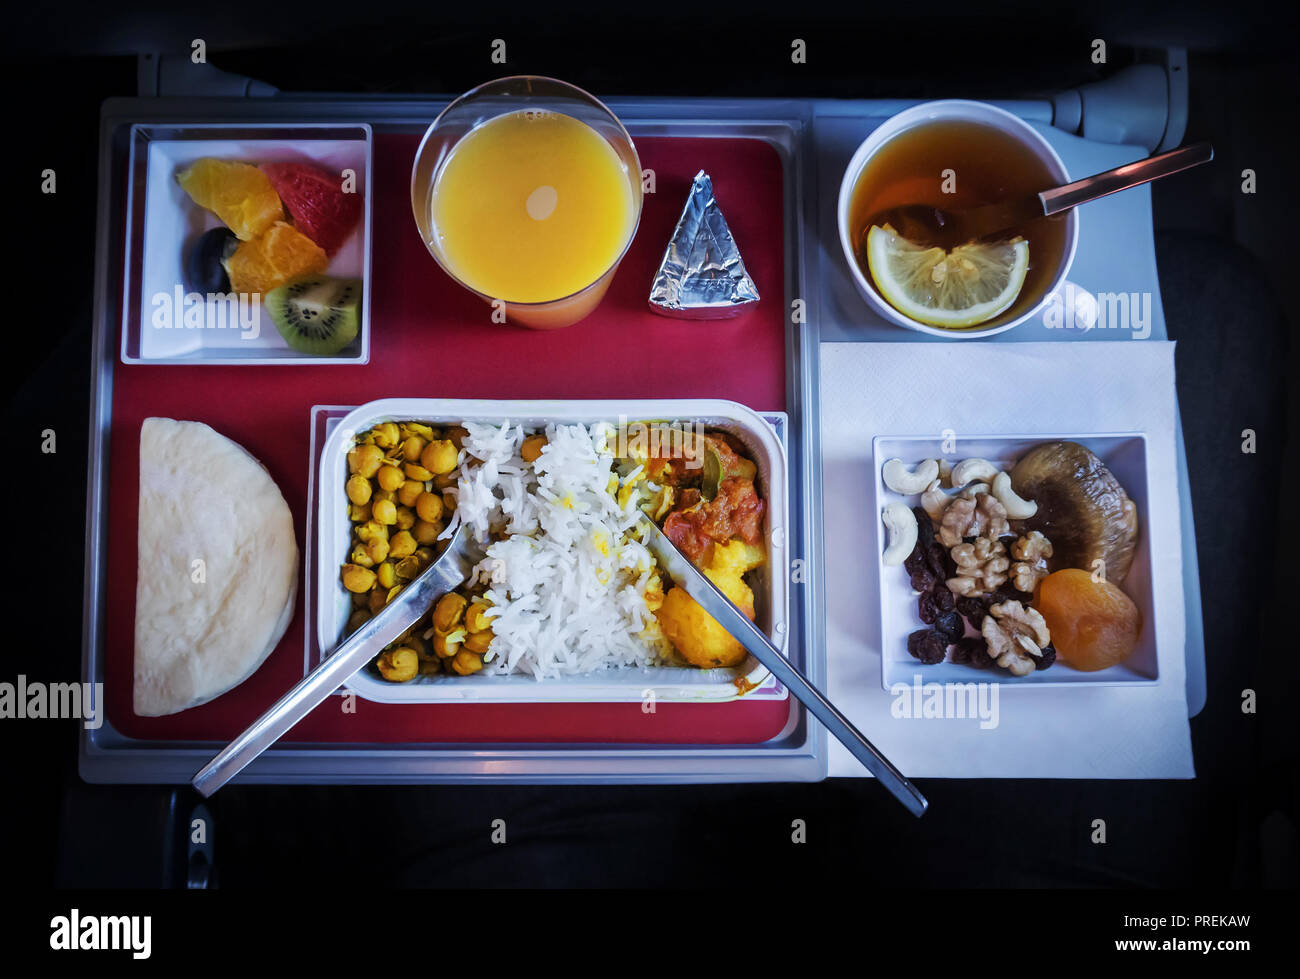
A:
x: 1048, y: 268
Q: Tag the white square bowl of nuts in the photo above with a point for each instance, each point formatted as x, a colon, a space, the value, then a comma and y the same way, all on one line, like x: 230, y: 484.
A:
x: 1018, y: 559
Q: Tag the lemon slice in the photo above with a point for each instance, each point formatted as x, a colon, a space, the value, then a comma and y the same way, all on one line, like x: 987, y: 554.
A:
x: 964, y: 287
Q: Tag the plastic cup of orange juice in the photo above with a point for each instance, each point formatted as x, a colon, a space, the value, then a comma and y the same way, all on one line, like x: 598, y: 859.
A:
x: 527, y: 191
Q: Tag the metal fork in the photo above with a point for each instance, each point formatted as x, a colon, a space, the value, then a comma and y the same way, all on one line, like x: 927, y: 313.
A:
x: 449, y: 570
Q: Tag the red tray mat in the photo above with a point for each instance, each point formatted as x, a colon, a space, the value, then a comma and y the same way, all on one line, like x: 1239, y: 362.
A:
x: 430, y: 338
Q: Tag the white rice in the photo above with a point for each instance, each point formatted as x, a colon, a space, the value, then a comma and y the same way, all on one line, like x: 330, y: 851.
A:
x: 566, y: 579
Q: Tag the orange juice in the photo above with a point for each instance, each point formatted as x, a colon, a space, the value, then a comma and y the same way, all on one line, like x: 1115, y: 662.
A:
x: 532, y: 206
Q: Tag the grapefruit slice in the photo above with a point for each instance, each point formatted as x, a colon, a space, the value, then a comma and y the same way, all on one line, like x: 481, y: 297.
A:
x: 315, y: 200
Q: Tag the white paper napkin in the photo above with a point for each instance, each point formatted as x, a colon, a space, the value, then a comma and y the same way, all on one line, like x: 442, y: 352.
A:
x: 870, y: 389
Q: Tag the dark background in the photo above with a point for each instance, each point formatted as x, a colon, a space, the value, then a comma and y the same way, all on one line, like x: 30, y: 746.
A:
x: 1227, y: 274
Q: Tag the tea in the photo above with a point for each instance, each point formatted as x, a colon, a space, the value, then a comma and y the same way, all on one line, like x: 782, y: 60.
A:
x: 954, y: 165
x: 532, y: 206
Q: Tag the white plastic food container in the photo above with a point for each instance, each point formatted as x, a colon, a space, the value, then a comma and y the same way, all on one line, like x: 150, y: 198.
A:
x: 1123, y: 454
x: 627, y: 684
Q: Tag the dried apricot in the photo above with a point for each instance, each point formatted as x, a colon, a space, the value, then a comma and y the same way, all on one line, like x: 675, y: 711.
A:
x: 1093, y: 624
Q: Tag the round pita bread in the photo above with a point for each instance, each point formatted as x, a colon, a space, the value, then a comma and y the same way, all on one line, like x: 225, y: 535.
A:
x: 217, y: 567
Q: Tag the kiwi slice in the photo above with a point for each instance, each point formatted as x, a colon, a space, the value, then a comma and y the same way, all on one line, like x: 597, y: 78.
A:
x: 316, y: 316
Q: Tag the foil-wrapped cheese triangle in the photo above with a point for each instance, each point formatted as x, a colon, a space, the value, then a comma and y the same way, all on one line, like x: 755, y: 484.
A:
x: 702, y: 275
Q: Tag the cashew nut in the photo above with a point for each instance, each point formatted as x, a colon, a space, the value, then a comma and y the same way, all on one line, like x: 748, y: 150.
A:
x: 906, y: 483
x: 901, y: 524
x: 973, y: 490
x: 934, y: 501
x: 972, y: 469
x: 1017, y: 509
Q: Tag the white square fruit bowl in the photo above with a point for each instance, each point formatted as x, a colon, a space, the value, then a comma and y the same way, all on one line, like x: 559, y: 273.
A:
x: 164, y: 223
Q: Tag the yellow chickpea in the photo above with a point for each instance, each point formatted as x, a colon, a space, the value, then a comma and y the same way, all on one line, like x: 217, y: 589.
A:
x: 384, y: 511
x: 390, y: 478
x: 412, y: 447
x: 377, y: 549
x: 359, y: 514
x: 376, y: 601
x: 398, y: 665
x: 357, y: 579
x: 478, y: 642
x: 439, y: 457
x: 448, y: 611
x: 408, y: 568
x: 426, y: 533
x: 476, y: 619
x: 410, y: 492
x: 447, y: 645
x: 357, y: 619
x: 449, y: 499
x: 383, y: 494
x: 466, y: 662
x: 364, y: 460
x: 531, y: 450
x: 371, y: 530
x: 402, y: 545
x: 358, y: 489
x: 386, y: 575
x: 414, y: 471
x: 361, y: 556
x: 405, y: 518
x: 386, y: 435
x: 428, y: 507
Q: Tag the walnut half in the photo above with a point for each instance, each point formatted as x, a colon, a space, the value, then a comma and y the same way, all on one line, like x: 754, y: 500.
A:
x: 982, y: 516
x: 1031, y: 553
x: 1015, y: 635
x: 981, y: 566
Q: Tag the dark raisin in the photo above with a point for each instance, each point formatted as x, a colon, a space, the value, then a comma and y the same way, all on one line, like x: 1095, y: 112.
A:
x: 927, y: 646
x: 940, y: 561
x: 976, y: 651
x: 1007, y: 593
x: 943, y: 598
x: 923, y: 581
x: 916, y: 560
x: 950, y: 625
x: 1047, y: 659
x: 926, y: 608
x: 933, y: 558
x: 974, y: 608
x: 924, y: 527
x: 962, y: 648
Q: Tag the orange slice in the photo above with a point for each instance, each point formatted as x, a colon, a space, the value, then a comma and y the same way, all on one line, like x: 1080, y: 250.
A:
x: 238, y: 193
x: 280, y: 255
